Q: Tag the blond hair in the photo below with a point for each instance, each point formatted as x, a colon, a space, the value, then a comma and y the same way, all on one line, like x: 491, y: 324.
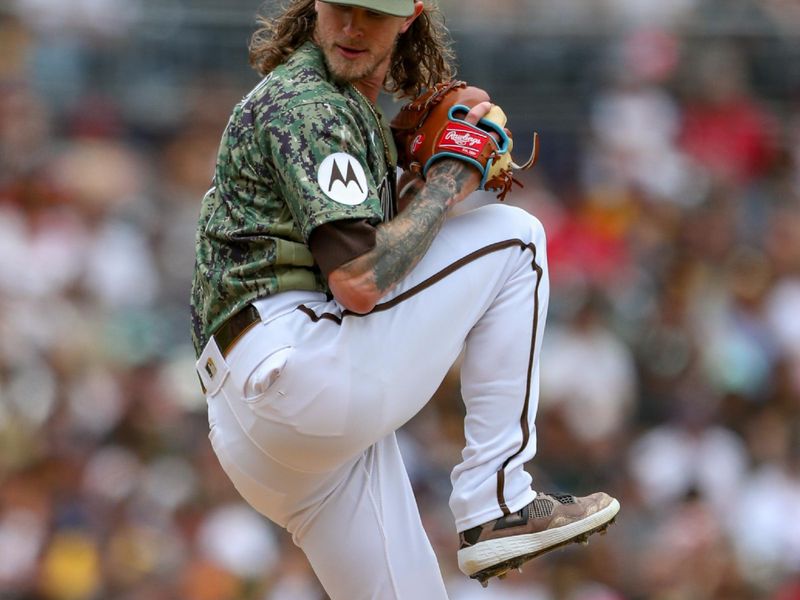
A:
x: 422, y: 56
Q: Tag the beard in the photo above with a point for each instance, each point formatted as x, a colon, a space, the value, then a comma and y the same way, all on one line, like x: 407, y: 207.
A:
x: 346, y: 70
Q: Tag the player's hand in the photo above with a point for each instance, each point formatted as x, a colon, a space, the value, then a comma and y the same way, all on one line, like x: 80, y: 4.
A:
x: 468, y: 176
x: 453, y: 120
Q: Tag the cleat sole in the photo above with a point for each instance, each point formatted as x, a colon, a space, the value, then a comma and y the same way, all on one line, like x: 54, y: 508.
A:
x: 501, y: 569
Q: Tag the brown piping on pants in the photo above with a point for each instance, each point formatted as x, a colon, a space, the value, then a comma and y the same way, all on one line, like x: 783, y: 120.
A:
x: 450, y: 269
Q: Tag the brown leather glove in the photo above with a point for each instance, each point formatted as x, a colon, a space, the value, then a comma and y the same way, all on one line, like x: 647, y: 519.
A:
x: 432, y: 127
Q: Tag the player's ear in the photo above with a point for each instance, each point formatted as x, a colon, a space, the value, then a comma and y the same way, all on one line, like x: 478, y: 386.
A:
x: 418, y: 8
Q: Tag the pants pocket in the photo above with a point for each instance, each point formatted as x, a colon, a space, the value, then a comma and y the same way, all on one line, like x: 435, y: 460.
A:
x: 289, y: 389
x: 265, y: 375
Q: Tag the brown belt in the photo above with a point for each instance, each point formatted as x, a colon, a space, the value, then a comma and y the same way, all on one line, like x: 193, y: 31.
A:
x: 234, y: 328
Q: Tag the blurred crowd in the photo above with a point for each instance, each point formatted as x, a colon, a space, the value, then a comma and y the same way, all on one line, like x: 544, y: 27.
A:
x: 671, y: 365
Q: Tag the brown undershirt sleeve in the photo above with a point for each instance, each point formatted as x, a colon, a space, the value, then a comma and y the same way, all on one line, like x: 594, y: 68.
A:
x: 338, y: 242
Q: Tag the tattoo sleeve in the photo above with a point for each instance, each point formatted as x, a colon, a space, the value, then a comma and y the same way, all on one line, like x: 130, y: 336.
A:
x: 402, y: 242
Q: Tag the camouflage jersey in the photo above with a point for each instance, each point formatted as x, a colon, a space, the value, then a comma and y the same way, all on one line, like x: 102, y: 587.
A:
x: 299, y: 151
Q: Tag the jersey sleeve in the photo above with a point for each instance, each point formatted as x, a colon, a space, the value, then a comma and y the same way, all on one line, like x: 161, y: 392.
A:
x: 320, y: 158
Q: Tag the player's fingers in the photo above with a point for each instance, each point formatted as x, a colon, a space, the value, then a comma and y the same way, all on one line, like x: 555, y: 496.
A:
x: 477, y: 112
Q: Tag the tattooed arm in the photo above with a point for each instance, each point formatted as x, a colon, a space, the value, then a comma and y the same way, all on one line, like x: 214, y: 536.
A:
x: 359, y: 284
x: 408, y: 186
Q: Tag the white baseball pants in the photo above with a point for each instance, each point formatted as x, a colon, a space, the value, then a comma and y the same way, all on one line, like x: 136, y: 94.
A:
x: 304, y: 408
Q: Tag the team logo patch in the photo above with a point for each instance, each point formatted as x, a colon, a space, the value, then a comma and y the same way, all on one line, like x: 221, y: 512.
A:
x: 341, y: 177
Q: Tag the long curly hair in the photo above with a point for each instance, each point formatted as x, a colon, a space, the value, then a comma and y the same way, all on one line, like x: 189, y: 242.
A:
x: 422, y: 57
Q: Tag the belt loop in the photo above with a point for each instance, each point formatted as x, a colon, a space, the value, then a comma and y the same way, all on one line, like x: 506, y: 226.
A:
x: 212, y: 368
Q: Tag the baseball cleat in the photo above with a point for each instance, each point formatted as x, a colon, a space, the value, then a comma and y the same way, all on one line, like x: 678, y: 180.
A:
x: 549, y: 522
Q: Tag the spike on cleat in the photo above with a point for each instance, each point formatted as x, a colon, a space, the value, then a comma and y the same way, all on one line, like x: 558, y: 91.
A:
x: 485, y: 583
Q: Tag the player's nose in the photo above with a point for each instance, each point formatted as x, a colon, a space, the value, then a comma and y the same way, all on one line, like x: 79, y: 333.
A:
x: 355, y: 22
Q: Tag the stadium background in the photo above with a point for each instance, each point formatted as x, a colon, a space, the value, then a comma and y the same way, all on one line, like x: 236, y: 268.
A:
x: 669, y: 183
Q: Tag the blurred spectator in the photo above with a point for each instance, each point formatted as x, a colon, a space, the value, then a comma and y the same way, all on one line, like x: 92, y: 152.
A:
x: 766, y: 523
x: 724, y: 128
x: 688, y: 556
x: 635, y: 124
x: 673, y: 461
x: 597, y: 405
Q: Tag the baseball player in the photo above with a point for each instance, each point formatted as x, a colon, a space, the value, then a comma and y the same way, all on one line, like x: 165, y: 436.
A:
x: 329, y: 302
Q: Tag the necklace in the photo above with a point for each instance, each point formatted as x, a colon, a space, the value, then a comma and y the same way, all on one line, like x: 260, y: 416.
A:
x: 378, y: 122
x: 389, y: 201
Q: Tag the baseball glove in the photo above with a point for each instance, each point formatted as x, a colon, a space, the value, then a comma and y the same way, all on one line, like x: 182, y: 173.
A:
x: 432, y: 127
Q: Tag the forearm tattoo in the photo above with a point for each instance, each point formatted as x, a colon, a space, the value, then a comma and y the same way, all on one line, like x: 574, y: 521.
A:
x: 402, y: 242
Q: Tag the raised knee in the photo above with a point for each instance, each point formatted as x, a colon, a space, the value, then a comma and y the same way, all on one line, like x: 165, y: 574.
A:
x: 518, y: 223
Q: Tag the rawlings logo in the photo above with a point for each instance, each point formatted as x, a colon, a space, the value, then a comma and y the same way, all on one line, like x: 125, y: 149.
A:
x: 462, y: 138
x: 462, y: 141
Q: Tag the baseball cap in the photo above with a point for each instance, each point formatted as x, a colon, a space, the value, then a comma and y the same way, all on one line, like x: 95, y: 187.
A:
x: 397, y: 8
